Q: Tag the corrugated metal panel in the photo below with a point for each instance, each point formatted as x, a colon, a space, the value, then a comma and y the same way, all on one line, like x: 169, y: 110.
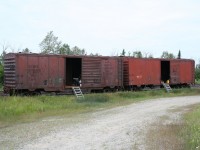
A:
x: 174, y: 72
x: 101, y: 72
x: 126, y: 72
x: 110, y: 72
x: 52, y: 76
x: 152, y: 71
x: 44, y: 66
x: 9, y: 71
x: 91, y: 72
x: 141, y: 71
x: 182, y: 71
x: 120, y: 72
x: 187, y: 71
x: 34, y: 71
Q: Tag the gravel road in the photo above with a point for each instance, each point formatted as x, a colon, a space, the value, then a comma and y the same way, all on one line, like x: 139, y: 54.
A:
x: 117, y: 128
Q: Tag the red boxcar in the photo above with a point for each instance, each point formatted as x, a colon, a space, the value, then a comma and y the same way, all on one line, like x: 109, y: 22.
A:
x: 141, y: 72
x: 37, y: 72
x: 95, y: 72
x: 182, y: 71
x: 58, y: 73
x: 150, y: 72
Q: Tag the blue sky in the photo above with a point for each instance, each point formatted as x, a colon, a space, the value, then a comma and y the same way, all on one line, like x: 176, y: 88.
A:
x: 104, y: 26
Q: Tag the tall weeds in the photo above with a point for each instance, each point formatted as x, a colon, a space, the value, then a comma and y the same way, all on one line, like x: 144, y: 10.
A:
x: 17, y: 108
x: 191, y: 131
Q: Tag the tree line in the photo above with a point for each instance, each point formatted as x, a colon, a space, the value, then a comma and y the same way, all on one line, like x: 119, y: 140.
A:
x: 139, y: 54
x: 52, y: 45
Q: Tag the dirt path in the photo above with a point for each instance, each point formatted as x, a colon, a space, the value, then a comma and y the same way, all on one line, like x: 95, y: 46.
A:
x: 117, y: 128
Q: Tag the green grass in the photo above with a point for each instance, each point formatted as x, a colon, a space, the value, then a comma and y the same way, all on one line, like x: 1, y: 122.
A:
x: 191, y: 131
x: 1, y: 87
x: 197, y: 81
x: 21, y: 109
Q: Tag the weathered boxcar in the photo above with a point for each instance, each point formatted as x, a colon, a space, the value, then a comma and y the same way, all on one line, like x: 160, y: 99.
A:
x: 95, y: 72
x: 39, y: 72
x: 141, y: 72
x: 178, y: 71
x: 58, y: 73
x: 33, y: 72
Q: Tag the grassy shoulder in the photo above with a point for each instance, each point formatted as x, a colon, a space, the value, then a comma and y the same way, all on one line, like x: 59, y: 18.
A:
x: 23, y: 109
x: 197, y: 81
x: 191, y: 130
x: 177, y: 134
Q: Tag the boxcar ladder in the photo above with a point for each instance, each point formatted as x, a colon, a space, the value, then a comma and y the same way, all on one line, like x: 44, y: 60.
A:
x: 167, y: 87
x: 77, y: 91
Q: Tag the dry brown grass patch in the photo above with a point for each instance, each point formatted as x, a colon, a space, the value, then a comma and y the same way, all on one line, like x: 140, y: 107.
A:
x: 165, y: 137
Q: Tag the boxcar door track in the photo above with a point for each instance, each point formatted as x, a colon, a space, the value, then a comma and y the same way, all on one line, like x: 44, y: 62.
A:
x: 77, y: 91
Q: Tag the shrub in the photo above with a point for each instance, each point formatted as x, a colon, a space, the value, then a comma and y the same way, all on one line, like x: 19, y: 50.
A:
x: 1, y: 74
x: 197, y: 73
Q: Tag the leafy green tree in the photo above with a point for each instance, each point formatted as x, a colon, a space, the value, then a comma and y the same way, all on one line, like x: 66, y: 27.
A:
x: 26, y: 50
x: 96, y: 54
x: 1, y: 67
x: 197, y: 74
x: 77, y: 51
x: 166, y: 54
x: 50, y: 44
x: 129, y: 53
x: 2, y: 57
x: 137, y: 54
x: 179, y: 54
x: 150, y: 56
x: 65, y: 49
x: 147, y: 55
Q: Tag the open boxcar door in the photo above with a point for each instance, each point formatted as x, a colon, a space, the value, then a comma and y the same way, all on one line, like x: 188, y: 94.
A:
x: 165, y: 70
x: 73, y: 71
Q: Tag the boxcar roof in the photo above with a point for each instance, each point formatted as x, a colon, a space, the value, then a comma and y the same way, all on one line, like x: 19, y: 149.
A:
x: 87, y: 56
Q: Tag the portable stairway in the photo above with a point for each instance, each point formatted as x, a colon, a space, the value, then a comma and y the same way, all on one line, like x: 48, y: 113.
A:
x: 166, y: 86
x: 77, y: 91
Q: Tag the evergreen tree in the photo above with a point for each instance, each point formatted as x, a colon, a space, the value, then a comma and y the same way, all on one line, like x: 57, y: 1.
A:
x: 179, y: 54
x: 123, y: 52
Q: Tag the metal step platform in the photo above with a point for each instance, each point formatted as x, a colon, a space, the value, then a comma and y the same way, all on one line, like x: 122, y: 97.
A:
x: 166, y: 86
x: 77, y: 91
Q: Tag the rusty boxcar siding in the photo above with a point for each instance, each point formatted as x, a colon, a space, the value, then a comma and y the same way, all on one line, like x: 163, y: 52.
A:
x: 39, y: 72
x: 182, y: 71
x: 58, y: 73
x: 95, y: 72
x: 141, y: 72
x: 34, y: 72
x: 9, y: 72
